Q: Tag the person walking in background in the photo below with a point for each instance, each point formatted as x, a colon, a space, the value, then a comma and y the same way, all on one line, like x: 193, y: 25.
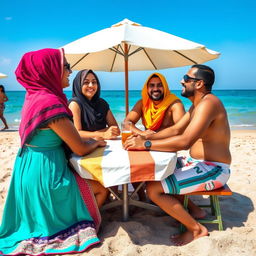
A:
x: 49, y: 209
x: 3, y: 99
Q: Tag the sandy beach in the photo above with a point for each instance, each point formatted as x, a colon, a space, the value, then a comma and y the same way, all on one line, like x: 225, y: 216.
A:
x: 147, y: 233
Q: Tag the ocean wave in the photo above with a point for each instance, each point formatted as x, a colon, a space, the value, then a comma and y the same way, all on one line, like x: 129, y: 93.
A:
x: 243, y: 126
x: 239, y: 125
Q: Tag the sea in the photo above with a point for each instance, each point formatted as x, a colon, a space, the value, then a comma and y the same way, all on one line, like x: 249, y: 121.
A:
x: 240, y: 105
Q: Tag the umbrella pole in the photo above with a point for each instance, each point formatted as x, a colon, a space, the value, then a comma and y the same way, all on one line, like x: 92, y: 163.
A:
x: 126, y: 79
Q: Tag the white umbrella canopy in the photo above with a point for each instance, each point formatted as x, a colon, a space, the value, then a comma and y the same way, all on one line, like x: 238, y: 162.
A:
x: 2, y: 75
x: 129, y: 46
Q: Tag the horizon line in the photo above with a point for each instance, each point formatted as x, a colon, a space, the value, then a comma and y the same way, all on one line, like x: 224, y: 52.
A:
x: 230, y: 89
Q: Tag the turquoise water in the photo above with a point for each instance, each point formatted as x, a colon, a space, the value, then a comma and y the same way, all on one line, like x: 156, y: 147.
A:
x: 240, y: 105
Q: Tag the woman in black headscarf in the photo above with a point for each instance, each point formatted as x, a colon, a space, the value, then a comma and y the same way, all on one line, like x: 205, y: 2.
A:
x: 92, y: 115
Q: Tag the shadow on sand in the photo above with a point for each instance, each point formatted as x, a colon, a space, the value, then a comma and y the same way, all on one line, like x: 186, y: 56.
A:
x: 9, y: 130
x: 148, y: 227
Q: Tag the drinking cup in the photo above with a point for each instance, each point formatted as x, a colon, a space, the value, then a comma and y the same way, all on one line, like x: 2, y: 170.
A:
x: 125, y: 130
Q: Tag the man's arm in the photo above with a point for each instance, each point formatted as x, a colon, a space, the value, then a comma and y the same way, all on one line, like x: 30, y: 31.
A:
x: 134, y: 116
x: 173, y: 114
x: 202, y: 117
x: 178, y: 111
x: 174, y: 130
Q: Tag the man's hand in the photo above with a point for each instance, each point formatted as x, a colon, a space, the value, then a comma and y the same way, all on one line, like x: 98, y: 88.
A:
x: 135, y: 142
x: 146, y: 134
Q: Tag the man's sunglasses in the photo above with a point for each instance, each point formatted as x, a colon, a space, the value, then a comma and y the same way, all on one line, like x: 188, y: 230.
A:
x: 67, y: 66
x: 187, y: 78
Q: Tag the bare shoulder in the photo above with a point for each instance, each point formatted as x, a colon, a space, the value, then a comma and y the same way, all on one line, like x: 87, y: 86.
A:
x: 177, y: 104
x: 210, y: 108
x: 59, y: 123
x: 211, y: 101
x: 138, y: 105
x: 212, y: 97
x: 177, y: 109
x: 74, y: 106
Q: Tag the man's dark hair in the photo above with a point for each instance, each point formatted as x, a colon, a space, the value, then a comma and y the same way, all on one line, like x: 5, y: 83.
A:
x: 206, y: 74
x: 154, y: 75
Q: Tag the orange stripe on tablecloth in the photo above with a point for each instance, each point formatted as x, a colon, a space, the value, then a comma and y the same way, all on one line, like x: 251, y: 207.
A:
x: 142, y: 166
x: 93, y: 164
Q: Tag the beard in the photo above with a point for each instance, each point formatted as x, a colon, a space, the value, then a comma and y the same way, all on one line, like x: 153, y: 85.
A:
x: 156, y: 98
x: 187, y: 93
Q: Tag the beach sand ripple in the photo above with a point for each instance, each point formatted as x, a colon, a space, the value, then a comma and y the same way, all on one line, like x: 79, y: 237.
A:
x: 147, y: 233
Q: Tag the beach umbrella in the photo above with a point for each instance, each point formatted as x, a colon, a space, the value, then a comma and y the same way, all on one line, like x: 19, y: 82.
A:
x: 129, y: 46
x: 2, y: 75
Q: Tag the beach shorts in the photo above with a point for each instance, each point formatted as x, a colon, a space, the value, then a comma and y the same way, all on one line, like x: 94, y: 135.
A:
x: 2, y: 107
x: 193, y: 175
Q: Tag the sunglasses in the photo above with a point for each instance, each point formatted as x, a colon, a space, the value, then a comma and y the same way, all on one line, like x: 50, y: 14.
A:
x: 67, y: 66
x: 187, y: 78
x: 93, y: 83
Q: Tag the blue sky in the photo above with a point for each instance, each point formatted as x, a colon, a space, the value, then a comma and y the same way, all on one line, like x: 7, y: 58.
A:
x: 225, y: 26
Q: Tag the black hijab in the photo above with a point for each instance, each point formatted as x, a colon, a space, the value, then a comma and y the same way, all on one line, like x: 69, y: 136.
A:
x: 94, y: 111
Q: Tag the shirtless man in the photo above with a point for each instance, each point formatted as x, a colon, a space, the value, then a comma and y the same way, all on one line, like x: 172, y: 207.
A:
x: 158, y: 108
x: 204, y: 129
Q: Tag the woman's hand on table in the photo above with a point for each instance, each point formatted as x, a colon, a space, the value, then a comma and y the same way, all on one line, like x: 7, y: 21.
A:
x: 98, y: 138
x: 111, y: 133
x: 100, y: 142
x: 134, y: 142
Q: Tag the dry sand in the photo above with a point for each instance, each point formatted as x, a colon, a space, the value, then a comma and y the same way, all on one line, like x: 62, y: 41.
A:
x: 147, y: 233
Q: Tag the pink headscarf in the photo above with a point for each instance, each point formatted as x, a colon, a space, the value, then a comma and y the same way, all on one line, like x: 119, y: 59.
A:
x: 40, y: 73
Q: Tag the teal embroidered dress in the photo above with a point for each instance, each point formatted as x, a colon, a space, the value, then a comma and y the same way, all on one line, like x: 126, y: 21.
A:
x: 49, y: 209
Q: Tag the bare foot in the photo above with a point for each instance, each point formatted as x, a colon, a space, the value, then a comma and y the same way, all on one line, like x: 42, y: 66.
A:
x: 189, y: 236
x: 198, y: 213
x: 6, y: 127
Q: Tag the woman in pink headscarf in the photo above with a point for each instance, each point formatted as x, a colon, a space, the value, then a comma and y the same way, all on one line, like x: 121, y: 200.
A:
x: 49, y: 209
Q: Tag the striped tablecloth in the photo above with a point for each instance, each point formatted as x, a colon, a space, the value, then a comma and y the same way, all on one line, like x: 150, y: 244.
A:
x: 112, y: 165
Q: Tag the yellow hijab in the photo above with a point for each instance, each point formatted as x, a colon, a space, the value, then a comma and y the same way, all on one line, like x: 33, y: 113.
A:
x: 153, y: 114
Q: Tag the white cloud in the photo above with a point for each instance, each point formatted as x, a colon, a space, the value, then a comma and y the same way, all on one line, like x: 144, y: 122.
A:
x: 5, y: 61
x: 8, y: 18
